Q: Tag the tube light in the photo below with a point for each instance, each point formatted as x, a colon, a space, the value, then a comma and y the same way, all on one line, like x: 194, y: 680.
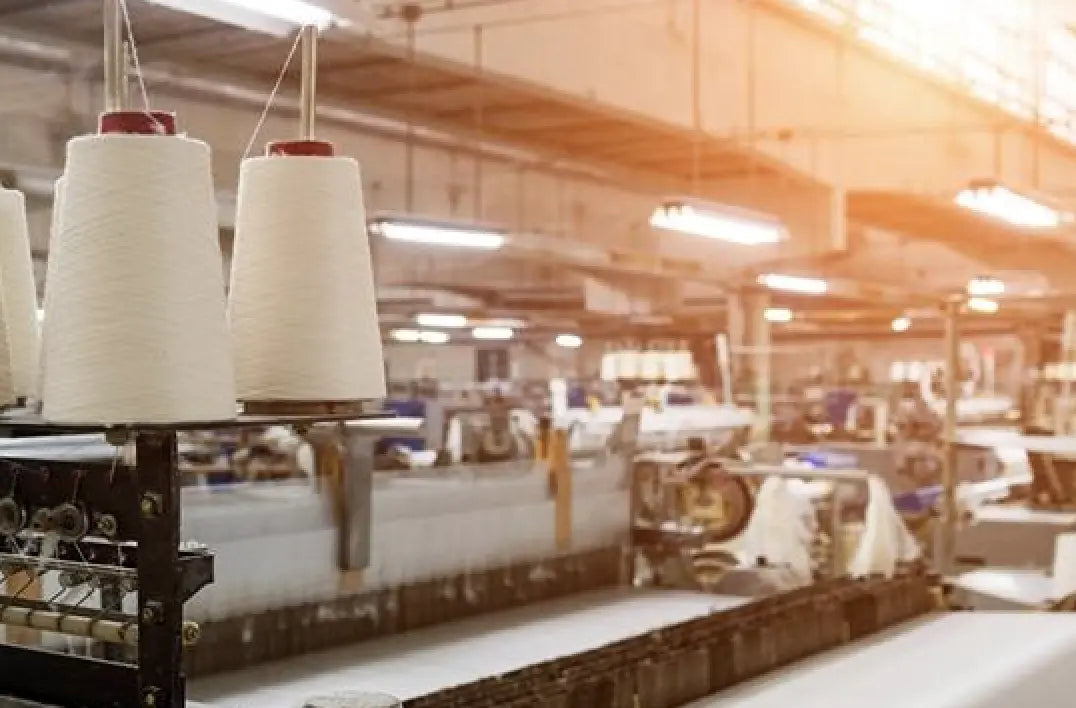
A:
x: 794, y: 283
x: 901, y: 324
x: 425, y: 336
x: 493, y: 333
x: 728, y: 224
x: 569, y: 341
x: 438, y: 234
x: 985, y: 286
x: 778, y: 314
x: 429, y: 336
x: 406, y: 335
x: 983, y: 305
x: 436, y: 320
x: 1004, y: 204
x: 275, y: 17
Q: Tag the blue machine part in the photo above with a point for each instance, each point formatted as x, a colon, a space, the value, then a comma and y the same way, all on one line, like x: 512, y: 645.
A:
x: 405, y: 408
x: 919, y: 500
x: 829, y: 459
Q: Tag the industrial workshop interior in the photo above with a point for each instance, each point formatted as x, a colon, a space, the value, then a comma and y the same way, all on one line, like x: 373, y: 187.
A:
x: 537, y: 353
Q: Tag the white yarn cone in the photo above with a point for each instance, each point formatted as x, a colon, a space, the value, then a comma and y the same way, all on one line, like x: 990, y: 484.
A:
x: 303, y: 305
x: 135, y: 327
x: 54, y: 229
x: 19, y: 292
x: 7, y: 380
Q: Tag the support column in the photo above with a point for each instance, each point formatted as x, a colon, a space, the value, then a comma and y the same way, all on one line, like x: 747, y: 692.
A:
x: 947, y: 537
x: 749, y: 340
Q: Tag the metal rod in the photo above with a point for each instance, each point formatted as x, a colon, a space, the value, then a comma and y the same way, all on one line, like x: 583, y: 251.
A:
x: 103, y: 630
x: 947, y: 537
x: 309, y: 86
x: 840, y: 475
x: 125, y: 75
x: 42, y: 564
x: 114, y: 56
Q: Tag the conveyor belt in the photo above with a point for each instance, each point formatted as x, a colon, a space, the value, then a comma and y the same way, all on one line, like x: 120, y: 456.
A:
x: 959, y: 660
x: 422, y: 662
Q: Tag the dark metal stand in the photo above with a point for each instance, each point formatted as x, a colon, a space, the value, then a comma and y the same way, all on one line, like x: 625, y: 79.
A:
x: 160, y: 596
x: 142, y: 543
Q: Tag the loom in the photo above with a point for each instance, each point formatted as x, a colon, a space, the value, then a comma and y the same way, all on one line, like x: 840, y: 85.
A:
x: 1005, y: 550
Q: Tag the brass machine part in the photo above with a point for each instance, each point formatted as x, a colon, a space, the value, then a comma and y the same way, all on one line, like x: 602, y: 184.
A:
x: 84, y: 624
x: 104, y: 630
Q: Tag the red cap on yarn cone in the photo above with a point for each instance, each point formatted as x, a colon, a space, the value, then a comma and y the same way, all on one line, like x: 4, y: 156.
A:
x: 137, y: 123
x: 300, y: 148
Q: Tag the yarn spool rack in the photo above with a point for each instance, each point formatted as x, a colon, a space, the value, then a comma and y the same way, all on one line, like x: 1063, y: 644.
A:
x: 117, y: 525
x: 120, y: 529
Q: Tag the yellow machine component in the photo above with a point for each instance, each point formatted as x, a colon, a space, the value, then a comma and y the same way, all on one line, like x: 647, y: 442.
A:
x: 716, y: 501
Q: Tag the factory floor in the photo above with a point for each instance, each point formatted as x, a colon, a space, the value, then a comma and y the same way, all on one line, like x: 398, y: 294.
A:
x: 421, y: 662
x: 958, y: 660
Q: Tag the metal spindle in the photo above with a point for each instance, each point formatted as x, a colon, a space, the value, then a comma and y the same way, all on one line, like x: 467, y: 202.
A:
x: 308, y: 89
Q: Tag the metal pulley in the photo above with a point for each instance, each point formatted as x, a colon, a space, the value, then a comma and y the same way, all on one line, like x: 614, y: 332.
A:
x: 718, y: 502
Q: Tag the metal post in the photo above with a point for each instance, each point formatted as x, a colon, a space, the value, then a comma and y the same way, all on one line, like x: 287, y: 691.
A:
x: 761, y: 364
x: 160, y: 599
x: 125, y: 75
x: 113, y: 57
x: 724, y: 366
x: 947, y: 537
x: 309, y: 87
x: 1063, y: 405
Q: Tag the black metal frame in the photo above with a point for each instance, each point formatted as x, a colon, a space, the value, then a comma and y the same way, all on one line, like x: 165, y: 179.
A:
x: 167, y: 577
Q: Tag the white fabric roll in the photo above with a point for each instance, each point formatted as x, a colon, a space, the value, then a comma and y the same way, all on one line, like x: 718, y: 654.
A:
x: 628, y: 363
x: 609, y: 366
x: 1064, y: 581
x: 303, y: 305
x: 135, y: 327
x: 650, y: 364
x: 886, y: 540
x: 19, y: 292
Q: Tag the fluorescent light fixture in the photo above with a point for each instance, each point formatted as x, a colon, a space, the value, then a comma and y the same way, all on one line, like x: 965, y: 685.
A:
x: 794, y: 283
x: 275, y: 17
x: 569, y: 341
x: 901, y: 324
x: 983, y: 305
x: 425, y: 336
x: 430, y: 336
x: 719, y: 222
x: 778, y: 314
x: 493, y: 333
x: 509, y: 322
x: 1002, y: 203
x: 985, y: 286
x: 438, y: 233
x: 436, y: 320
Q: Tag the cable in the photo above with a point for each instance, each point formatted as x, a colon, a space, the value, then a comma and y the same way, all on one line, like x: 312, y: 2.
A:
x: 272, y: 95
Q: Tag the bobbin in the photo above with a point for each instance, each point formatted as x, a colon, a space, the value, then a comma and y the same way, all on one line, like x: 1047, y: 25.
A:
x: 305, y: 146
x: 137, y: 123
